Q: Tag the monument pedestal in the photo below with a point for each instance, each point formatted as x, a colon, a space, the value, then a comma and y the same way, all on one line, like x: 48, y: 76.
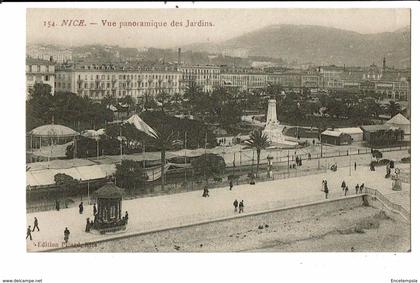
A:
x: 273, y: 129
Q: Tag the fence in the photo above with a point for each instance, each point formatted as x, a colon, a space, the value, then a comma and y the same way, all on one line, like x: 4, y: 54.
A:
x: 181, y: 180
x: 386, y: 202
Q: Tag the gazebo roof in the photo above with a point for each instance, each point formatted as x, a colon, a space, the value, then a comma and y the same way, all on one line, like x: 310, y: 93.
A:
x: 109, y: 190
x: 53, y: 131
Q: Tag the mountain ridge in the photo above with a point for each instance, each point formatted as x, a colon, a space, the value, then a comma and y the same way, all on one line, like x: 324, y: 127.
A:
x: 317, y: 44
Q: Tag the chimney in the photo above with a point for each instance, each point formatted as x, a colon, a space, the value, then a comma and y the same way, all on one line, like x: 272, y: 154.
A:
x: 179, y: 56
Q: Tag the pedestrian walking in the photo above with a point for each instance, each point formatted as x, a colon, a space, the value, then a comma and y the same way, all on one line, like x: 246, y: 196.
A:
x: 126, y: 217
x: 346, y: 189
x: 81, y: 207
x: 66, y: 235
x: 357, y: 189
x: 362, y: 186
x: 35, y: 224
x: 235, y: 205
x: 355, y: 166
x: 241, y: 206
x: 28, y: 233
x: 57, y: 205
x: 326, y: 190
x: 206, y: 192
x: 230, y: 185
x: 343, y: 185
x: 94, y: 209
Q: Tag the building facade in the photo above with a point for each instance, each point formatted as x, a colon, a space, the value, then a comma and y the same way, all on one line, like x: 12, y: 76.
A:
x: 96, y: 82
x: 205, y: 77
x: 39, y: 71
x: 243, y: 79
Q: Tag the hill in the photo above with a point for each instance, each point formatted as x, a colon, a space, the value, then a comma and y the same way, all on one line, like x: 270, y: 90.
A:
x: 317, y: 44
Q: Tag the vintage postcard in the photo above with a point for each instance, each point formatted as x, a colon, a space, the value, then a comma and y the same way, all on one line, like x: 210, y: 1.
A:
x: 218, y: 130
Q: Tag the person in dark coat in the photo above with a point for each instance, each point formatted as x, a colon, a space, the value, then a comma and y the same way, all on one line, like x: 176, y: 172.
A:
x: 206, y: 192
x: 241, y: 206
x: 230, y: 185
x: 126, y: 217
x: 343, y: 185
x: 355, y: 166
x: 81, y: 207
x: 326, y: 189
x: 94, y: 209
x: 346, y: 189
x: 28, y: 233
x: 87, y: 229
x: 362, y: 186
x: 235, y: 205
x: 66, y: 235
x: 35, y: 224
x: 357, y: 189
x: 57, y: 205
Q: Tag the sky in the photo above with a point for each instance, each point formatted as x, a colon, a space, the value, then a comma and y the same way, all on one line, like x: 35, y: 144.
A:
x: 225, y: 24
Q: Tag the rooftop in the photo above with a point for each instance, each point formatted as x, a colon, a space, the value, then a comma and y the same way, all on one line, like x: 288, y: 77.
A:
x: 34, y: 61
x: 109, y: 190
x: 53, y: 130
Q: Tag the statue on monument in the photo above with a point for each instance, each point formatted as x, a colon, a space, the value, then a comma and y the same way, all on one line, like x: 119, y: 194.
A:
x: 273, y: 129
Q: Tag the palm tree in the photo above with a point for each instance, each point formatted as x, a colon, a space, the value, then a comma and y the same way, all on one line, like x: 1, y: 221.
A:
x: 164, y: 99
x: 259, y: 141
x: 393, y: 108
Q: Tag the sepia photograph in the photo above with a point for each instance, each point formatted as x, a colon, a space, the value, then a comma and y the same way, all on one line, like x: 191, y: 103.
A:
x: 218, y: 130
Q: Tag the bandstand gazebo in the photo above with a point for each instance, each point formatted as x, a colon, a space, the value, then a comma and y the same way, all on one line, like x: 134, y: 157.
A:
x: 109, y: 203
x: 49, y: 136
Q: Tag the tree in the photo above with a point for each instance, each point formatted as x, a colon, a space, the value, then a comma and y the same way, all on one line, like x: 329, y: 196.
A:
x: 393, y: 108
x: 128, y: 102
x: 67, y: 108
x: 193, y: 96
x: 65, y: 182
x: 164, y: 99
x: 130, y: 174
x: 109, y: 100
x: 85, y: 148
x: 259, y: 141
x: 209, y: 164
x: 373, y: 108
x: 177, y: 100
x: 40, y: 90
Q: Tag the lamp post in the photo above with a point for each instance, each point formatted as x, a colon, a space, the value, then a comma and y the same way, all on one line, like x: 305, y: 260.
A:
x: 349, y: 164
x: 121, y: 146
x: 269, y: 170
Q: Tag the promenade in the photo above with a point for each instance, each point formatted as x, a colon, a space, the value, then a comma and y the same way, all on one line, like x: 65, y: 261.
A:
x: 153, y: 213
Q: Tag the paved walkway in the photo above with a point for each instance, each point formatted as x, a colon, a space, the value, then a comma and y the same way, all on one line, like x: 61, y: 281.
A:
x: 151, y: 213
